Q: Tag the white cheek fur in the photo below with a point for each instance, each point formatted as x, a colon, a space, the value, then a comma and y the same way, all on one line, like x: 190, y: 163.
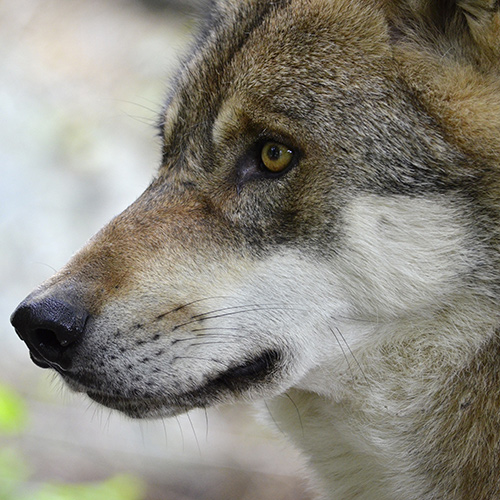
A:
x: 402, y: 255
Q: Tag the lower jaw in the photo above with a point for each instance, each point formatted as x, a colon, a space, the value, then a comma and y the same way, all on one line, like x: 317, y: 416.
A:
x: 137, y: 408
x: 227, y: 386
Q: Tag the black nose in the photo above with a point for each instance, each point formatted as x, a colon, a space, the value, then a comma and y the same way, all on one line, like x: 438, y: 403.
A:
x: 49, y: 327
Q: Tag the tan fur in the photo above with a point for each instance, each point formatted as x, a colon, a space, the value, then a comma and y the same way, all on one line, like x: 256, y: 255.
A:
x: 357, y: 291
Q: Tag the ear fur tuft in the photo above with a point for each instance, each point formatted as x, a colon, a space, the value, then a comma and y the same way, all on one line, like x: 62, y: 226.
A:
x: 449, y: 53
x: 472, y: 24
x: 483, y: 19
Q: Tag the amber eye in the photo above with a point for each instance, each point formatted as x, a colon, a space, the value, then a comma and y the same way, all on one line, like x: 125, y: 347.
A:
x: 276, y: 157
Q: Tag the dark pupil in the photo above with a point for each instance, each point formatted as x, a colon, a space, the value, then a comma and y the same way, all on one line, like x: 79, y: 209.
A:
x: 274, y: 153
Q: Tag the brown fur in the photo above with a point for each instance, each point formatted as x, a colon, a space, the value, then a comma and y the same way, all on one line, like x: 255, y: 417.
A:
x: 391, y: 206
x: 465, y: 447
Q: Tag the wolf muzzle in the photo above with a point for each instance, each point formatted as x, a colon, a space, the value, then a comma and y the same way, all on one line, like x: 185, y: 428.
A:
x: 50, y: 328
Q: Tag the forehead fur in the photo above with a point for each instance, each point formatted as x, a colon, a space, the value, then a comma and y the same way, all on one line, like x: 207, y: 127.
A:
x: 265, y: 46
x: 313, y: 40
x: 273, y: 53
x: 294, y: 33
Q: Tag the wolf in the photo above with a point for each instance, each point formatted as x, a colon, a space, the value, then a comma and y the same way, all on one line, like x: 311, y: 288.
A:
x: 322, y: 234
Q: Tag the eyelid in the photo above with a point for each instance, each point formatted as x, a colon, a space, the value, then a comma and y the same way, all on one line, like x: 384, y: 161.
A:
x: 267, y: 135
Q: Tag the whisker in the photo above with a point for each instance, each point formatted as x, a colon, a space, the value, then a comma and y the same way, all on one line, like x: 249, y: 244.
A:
x: 228, y: 308
x: 138, y: 105
x: 207, y: 316
x: 273, y: 419
x: 151, y: 122
x: 352, y: 354
x: 178, y: 308
x: 341, y: 348
x: 207, y: 343
x: 194, y: 433
x: 164, y: 432
x: 216, y: 328
x: 206, y: 424
x: 108, y: 422
x: 297, y: 411
x: 182, y: 434
x: 258, y: 308
x: 141, y: 430
x: 197, y: 337
x: 47, y: 265
x: 197, y: 358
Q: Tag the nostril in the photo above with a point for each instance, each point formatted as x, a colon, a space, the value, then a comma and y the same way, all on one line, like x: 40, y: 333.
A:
x: 46, y: 341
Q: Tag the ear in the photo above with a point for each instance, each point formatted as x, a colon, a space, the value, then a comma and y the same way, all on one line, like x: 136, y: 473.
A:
x: 483, y: 20
x: 472, y: 24
x: 448, y: 51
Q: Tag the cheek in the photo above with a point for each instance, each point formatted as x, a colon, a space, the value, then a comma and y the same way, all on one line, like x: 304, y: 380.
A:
x: 403, y: 254
x: 298, y: 299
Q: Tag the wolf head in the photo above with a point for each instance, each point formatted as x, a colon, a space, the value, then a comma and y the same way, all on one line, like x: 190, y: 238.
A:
x: 329, y: 185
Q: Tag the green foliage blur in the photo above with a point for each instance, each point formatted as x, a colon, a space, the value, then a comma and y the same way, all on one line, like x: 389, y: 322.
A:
x: 15, y: 473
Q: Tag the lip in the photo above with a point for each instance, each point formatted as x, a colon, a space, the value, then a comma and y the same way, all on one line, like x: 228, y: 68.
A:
x: 236, y: 380
x: 39, y: 361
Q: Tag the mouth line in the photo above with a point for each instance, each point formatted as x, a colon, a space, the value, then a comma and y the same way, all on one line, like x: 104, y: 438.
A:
x: 236, y: 381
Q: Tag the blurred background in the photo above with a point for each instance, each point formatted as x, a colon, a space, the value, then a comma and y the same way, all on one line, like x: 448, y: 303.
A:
x: 81, y: 83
